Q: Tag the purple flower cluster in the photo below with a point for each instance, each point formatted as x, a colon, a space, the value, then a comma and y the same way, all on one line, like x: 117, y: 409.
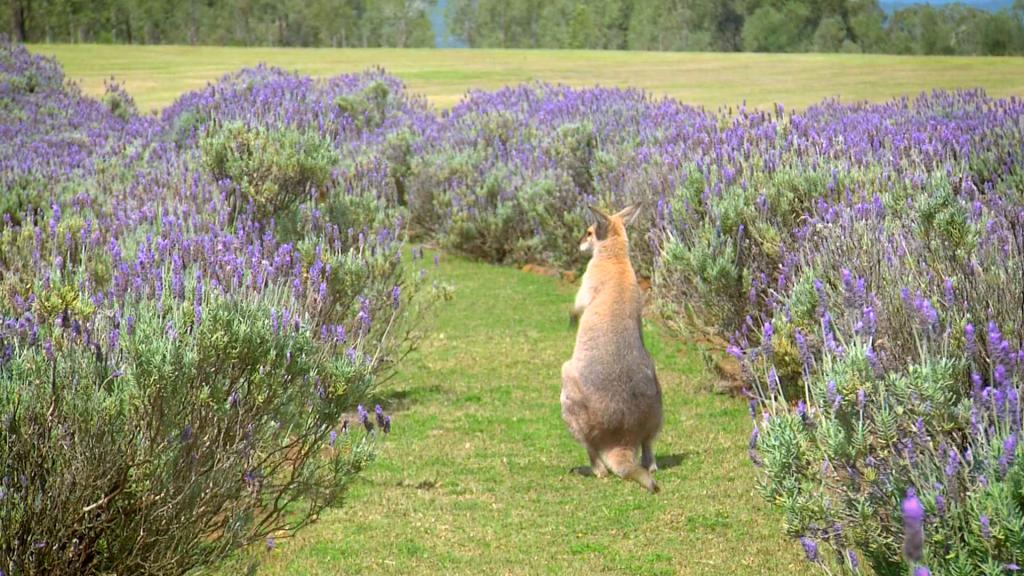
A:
x: 183, y: 327
x: 895, y: 281
x: 119, y: 209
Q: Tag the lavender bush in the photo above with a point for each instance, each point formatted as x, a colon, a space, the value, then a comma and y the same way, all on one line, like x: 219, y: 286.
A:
x: 895, y: 317
x: 508, y: 174
x: 187, y: 323
x: 863, y: 262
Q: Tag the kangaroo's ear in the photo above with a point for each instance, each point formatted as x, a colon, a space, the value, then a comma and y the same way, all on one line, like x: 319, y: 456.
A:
x: 602, y: 222
x: 629, y: 213
x: 598, y: 213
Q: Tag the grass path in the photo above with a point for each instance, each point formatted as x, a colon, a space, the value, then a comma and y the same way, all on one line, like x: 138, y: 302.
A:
x: 156, y: 75
x: 474, y: 478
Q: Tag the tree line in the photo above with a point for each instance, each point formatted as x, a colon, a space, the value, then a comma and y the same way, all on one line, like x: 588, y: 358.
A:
x: 737, y: 25
x: 691, y: 25
x: 339, y: 23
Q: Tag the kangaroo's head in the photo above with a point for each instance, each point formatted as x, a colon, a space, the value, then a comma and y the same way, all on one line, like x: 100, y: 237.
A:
x: 608, y: 229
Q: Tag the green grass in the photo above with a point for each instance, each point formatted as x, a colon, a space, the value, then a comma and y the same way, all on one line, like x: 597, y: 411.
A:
x: 156, y: 75
x: 474, y: 478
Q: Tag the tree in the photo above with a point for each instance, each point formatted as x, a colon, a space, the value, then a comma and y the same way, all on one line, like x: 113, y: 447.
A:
x: 777, y: 30
x: 830, y: 34
x: 933, y: 37
x: 19, y: 11
x: 999, y: 33
x: 866, y: 20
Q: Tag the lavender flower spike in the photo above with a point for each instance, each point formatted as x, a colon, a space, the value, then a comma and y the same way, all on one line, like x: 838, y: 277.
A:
x: 913, y: 526
x: 810, y: 549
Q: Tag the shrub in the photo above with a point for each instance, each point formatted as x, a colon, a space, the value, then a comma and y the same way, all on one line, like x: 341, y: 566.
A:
x: 176, y: 369
x: 367, y: 108
x: 271, y: 169
x: 200, y: 435
x: 119, y: 102
x: 910, y: 382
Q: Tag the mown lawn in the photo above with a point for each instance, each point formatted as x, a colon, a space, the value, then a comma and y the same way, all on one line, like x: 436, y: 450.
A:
x: 475, y: 477
x: 156, y: 75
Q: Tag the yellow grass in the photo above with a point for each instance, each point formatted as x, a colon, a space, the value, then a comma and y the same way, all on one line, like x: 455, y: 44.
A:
x: 156, y: 75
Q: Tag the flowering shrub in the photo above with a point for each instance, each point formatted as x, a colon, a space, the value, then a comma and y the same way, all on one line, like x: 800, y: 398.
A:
x: 508, y: 175
x: 178, y: 368
x: 903, y: 301
x: 273, y: 170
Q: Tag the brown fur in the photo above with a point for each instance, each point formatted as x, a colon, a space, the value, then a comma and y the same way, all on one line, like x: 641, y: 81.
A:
x: 611, y: 399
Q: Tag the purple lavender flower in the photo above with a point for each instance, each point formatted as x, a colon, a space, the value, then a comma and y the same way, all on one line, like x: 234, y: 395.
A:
x: 801, y: 345
x: 1008, y: 455
x: 952, y: 464
x: 396, y: 300
x: 986, y: 527
x: 922, y: 571
x: 332, y: 438
x: 197, y: 304
x: 766, y: 338
x: 913, y: 526
x: 995, y: 341
x: 364, y: 316
x: 801, y: 411
x: 999, y: 375
x: 364, y: 418
x: 947, y: 291
x: 810, y: 549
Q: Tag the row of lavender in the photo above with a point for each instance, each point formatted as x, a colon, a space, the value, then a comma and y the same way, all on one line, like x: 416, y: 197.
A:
x: 191, y: 310
x: 866, y: 263
x: 864, y: 260
x: 892, y: 316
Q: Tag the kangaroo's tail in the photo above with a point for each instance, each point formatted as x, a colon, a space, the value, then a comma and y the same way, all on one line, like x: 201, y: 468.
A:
x: 623, y: 462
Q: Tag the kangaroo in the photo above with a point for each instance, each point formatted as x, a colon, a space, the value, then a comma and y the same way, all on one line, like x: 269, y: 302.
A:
x: 611, y: 399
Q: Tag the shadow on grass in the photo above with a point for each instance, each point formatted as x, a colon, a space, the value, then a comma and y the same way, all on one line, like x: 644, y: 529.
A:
x: 664, y: 463
x: 400, y: 400
x: 671, y: 460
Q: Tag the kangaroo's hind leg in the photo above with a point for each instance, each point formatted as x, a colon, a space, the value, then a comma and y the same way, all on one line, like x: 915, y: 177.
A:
x: 574, y: 413
x: 596, y: 464
x: 647, y: 459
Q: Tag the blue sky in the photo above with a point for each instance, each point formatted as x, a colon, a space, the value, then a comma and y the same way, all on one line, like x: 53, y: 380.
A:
x: 983, y: 4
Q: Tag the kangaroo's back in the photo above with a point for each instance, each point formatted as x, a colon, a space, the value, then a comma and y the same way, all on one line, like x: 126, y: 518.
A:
x: 615, y: 370
x: 611, y: 398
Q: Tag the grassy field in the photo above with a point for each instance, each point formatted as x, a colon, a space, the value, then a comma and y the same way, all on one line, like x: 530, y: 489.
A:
x: 156, y: 75
x: 475, y: 478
